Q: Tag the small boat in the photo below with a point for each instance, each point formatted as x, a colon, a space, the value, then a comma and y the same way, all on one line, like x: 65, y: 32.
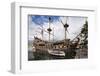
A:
x: 56, y: 54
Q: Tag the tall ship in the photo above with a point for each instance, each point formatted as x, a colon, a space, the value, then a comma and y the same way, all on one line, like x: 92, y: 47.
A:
x: 61, y: 49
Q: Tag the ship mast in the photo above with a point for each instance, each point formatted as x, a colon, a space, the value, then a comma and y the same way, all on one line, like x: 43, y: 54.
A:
x: 49, y: 29
x: 42, y: 32
x: 53, y: 34
x: 66, y: 26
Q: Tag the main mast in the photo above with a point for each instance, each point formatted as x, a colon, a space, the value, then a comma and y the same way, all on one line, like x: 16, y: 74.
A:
x: 49, y: 29
x: 66, y: 26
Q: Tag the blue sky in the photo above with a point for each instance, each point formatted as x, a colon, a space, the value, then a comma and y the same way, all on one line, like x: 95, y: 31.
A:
x: 40, y: 20
x: 36, y: 21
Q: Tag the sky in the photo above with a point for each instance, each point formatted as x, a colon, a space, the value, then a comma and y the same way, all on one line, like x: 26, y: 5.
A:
x: 37, y: 22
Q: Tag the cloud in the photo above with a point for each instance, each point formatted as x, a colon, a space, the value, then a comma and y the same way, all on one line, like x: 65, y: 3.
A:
x: 75, y: 25
x: 40, y: 20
